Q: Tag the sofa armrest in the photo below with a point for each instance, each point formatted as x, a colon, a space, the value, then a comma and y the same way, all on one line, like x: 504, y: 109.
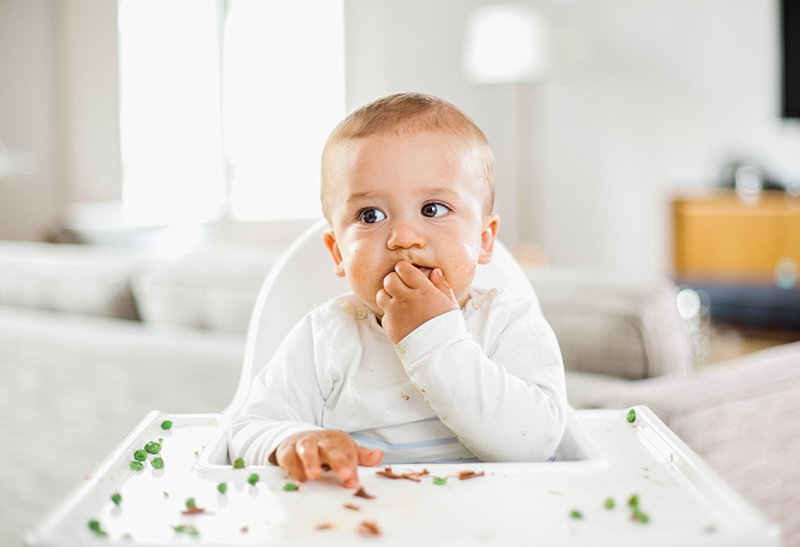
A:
x: 629, y: 328
x: 740, y: 416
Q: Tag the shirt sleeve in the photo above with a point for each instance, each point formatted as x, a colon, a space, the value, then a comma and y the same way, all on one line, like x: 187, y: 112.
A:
x: 285, y: 398
x: 504, y: 398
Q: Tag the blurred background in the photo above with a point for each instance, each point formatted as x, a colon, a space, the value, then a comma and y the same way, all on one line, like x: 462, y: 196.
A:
x: 212, y: 112
x: 175, y: 144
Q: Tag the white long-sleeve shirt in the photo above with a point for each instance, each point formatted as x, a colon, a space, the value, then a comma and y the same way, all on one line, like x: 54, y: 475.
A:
x: 484, y: 382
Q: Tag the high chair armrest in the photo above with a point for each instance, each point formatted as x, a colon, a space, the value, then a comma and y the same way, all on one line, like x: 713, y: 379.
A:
x: 740, y: 416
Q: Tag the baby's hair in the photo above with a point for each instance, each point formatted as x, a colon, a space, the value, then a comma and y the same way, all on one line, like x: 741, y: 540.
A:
x: 403, y: 114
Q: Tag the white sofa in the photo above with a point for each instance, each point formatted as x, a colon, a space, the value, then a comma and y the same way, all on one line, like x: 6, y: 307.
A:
x: 93, y: 338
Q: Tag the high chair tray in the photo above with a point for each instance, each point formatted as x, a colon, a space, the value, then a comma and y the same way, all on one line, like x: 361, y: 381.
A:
x: 678, y: 500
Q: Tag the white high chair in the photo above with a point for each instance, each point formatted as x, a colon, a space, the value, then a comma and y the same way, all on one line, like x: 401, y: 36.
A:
x: 561, y: 503
x: 303, y: 278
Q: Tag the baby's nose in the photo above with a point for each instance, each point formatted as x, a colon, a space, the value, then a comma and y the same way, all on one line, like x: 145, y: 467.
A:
x: 405, y: 235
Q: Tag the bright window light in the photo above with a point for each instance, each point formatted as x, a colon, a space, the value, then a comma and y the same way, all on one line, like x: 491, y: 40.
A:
x: 170, y: 128
x: 284, y: 93
x: 227, y: 123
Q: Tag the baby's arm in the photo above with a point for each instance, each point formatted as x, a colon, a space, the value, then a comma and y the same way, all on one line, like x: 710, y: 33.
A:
x: 279, y: 422
x: 503, y: 395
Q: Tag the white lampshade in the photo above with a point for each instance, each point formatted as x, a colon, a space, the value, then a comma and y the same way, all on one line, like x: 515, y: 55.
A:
x: 505, y: 44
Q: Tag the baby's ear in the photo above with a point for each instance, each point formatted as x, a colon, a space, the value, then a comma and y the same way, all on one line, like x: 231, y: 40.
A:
x: 491, y: 225
x: 329, y: 238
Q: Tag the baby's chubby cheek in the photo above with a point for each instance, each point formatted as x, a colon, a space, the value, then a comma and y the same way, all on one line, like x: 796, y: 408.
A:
x: 460, y: 264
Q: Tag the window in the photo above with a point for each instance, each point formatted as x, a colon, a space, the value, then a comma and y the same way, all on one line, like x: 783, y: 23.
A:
x: 225, y: 106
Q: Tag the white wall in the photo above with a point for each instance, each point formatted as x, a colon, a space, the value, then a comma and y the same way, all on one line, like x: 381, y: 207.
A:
x: 58, y: 99
x: 657, y: 96
x: 87, y: 100
x: 28, y: 205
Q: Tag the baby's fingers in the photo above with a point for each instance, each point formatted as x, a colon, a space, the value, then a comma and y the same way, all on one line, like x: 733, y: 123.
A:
x: 343, y: 462
x: 382, y: 299
x: 438, y: 280
x: 369, y: 457
x: 393, y: 285
x: 289, y: 460
x: 308, y: 454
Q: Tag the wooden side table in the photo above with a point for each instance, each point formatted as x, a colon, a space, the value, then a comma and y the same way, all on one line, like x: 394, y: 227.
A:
x: 719, y: 238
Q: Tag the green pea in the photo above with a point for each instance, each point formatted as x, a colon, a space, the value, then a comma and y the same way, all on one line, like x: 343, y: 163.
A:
x: 94, y: 526
x: 136, y: 466
x: 157, y: 462
x: 186, y: 529
x: 631, y: 416
x: 140, y: 455
x: 440, y: 480
x: 222, y: 487
x: 609, y: 503
x: 191, y: 503
x: 238, y: 463
x: 638, y: 516
x: 116, y: 498
x: 152, y: 447
x: 253, y: 479
x: 633, y: 501
x: 166, y: 424
x: 290, y: 487
x: 575, y: 514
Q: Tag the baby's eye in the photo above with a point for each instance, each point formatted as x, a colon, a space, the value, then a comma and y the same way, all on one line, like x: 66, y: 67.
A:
x: 434, y: 210
x: 371, y: 216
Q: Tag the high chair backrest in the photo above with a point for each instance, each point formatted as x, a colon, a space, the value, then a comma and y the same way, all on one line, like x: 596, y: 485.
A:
x: 303, y: 278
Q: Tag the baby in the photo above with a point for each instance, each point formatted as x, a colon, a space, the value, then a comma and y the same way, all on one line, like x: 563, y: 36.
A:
x: 416, y: 364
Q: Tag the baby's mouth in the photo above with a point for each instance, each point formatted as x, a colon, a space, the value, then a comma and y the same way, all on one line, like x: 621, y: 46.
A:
x: 425, y: 270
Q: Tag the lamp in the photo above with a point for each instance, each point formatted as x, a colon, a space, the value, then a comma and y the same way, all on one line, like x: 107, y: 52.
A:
x: 507, y: 43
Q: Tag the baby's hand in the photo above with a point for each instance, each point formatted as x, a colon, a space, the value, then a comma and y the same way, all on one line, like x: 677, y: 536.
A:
x: 409, y: 298
x: 305, y: 455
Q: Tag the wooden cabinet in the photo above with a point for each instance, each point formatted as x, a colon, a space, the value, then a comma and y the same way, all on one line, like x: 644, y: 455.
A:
x: 719, y: 238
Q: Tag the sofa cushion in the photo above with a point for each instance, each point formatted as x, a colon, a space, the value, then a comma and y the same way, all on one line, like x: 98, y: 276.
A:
x: 84, y: 279
x: 214, y: 287
x: 629, y: 328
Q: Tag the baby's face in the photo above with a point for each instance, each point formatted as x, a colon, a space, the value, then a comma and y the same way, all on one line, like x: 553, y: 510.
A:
x: 419, y: 198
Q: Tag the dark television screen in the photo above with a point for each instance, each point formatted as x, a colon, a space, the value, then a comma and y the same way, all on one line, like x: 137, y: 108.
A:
x: 790, y: 49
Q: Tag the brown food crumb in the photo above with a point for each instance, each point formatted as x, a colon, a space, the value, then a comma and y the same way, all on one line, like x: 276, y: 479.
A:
x: 369, y: 528
x: 193, y: 511
x: 361, y: 493
x: 324, y: 526
x: 464, y: 475
x: 415, y: 476
x: 352, y: 506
